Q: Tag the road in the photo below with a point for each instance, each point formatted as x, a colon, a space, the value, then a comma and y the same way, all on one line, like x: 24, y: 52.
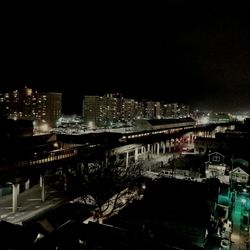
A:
x: 238, y: 237
x: 29, y: 204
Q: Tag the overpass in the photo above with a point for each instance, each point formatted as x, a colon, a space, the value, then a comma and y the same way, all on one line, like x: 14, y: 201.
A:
x: 60, y: 160
x: 171, y: 132
x: 141, y: 142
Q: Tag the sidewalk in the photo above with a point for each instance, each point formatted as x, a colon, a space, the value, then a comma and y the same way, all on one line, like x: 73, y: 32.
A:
x: 29, y: 204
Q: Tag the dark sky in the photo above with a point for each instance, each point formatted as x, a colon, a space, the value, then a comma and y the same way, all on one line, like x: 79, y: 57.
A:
x: 183, y: 52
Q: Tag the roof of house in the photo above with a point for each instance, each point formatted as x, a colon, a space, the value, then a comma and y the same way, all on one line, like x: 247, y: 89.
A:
x: 97, y: 236
x: 155, y: 122
x: 216, y: 153
x: 238, y: 170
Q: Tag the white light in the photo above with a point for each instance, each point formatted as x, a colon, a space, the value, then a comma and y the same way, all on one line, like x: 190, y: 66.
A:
x: 91, y: 125
x: 123, y: 201
x: 44, y: 127
x: 204, y: 120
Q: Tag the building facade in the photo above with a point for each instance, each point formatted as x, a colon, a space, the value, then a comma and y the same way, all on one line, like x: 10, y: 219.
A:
x: 238, y: 175
x: 112, y: 109
x: 49, y: 107
x: 92, y: 111
x: 27, y: 104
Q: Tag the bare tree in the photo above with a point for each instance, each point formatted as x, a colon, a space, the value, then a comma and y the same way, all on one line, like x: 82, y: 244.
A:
x: 107, y: 184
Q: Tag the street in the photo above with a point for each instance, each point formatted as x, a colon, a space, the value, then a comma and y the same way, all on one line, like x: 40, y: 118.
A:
x: 238, y: 237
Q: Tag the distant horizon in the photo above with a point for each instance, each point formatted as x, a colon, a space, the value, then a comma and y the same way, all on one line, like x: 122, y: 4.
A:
x: 72, y: 101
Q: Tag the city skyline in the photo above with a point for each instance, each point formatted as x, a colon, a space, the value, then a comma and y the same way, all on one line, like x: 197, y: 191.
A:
x: 72, y: 103
x: 177, y: 52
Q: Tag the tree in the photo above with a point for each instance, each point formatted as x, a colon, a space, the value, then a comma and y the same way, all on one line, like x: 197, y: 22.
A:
x: 107, y: 184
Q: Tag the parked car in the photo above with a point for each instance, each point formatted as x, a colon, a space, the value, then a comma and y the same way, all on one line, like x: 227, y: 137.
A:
x: 244, y: 226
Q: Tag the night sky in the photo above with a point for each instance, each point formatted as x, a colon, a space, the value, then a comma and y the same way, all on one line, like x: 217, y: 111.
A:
x: 178, y: 52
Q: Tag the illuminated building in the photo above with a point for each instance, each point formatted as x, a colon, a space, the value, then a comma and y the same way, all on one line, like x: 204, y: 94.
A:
x: 174, y: 110
x: 171, y: 110
x: 104, y: 111
x: 109, y: 107
x: 152, y: 110
x: 184, y: 110
x: 92, y: 110
x: 129, y: 110
x: 49, y: 107
x: 157, y: 110
x: 139, y: 110
x: 27, y: 104
x: 108, y: 110
x: 18, y: 104
x: 149, y: 112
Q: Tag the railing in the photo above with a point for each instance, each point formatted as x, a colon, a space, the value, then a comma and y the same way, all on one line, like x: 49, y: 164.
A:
x: 52, y: 156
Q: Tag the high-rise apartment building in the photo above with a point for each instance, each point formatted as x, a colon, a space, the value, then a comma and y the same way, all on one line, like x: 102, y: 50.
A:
x: 169, y: 110
x: 139, y: 110
x: 92, y: 111
x: 157, y: 110
x: 105, y: 111
x: 174, y: 110
x: 27, y: 104
x: 128, y: 110
x: 152, y: 110
x: 49, y: 107
x: 109, y: 106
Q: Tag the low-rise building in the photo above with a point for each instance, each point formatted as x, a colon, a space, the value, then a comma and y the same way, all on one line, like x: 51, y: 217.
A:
x: 238, y: 175
x: 158, y: 124
x: 213, y: 170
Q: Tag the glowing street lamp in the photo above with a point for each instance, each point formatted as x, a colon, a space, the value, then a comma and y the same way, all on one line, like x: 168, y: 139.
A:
x: 44, y: 127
